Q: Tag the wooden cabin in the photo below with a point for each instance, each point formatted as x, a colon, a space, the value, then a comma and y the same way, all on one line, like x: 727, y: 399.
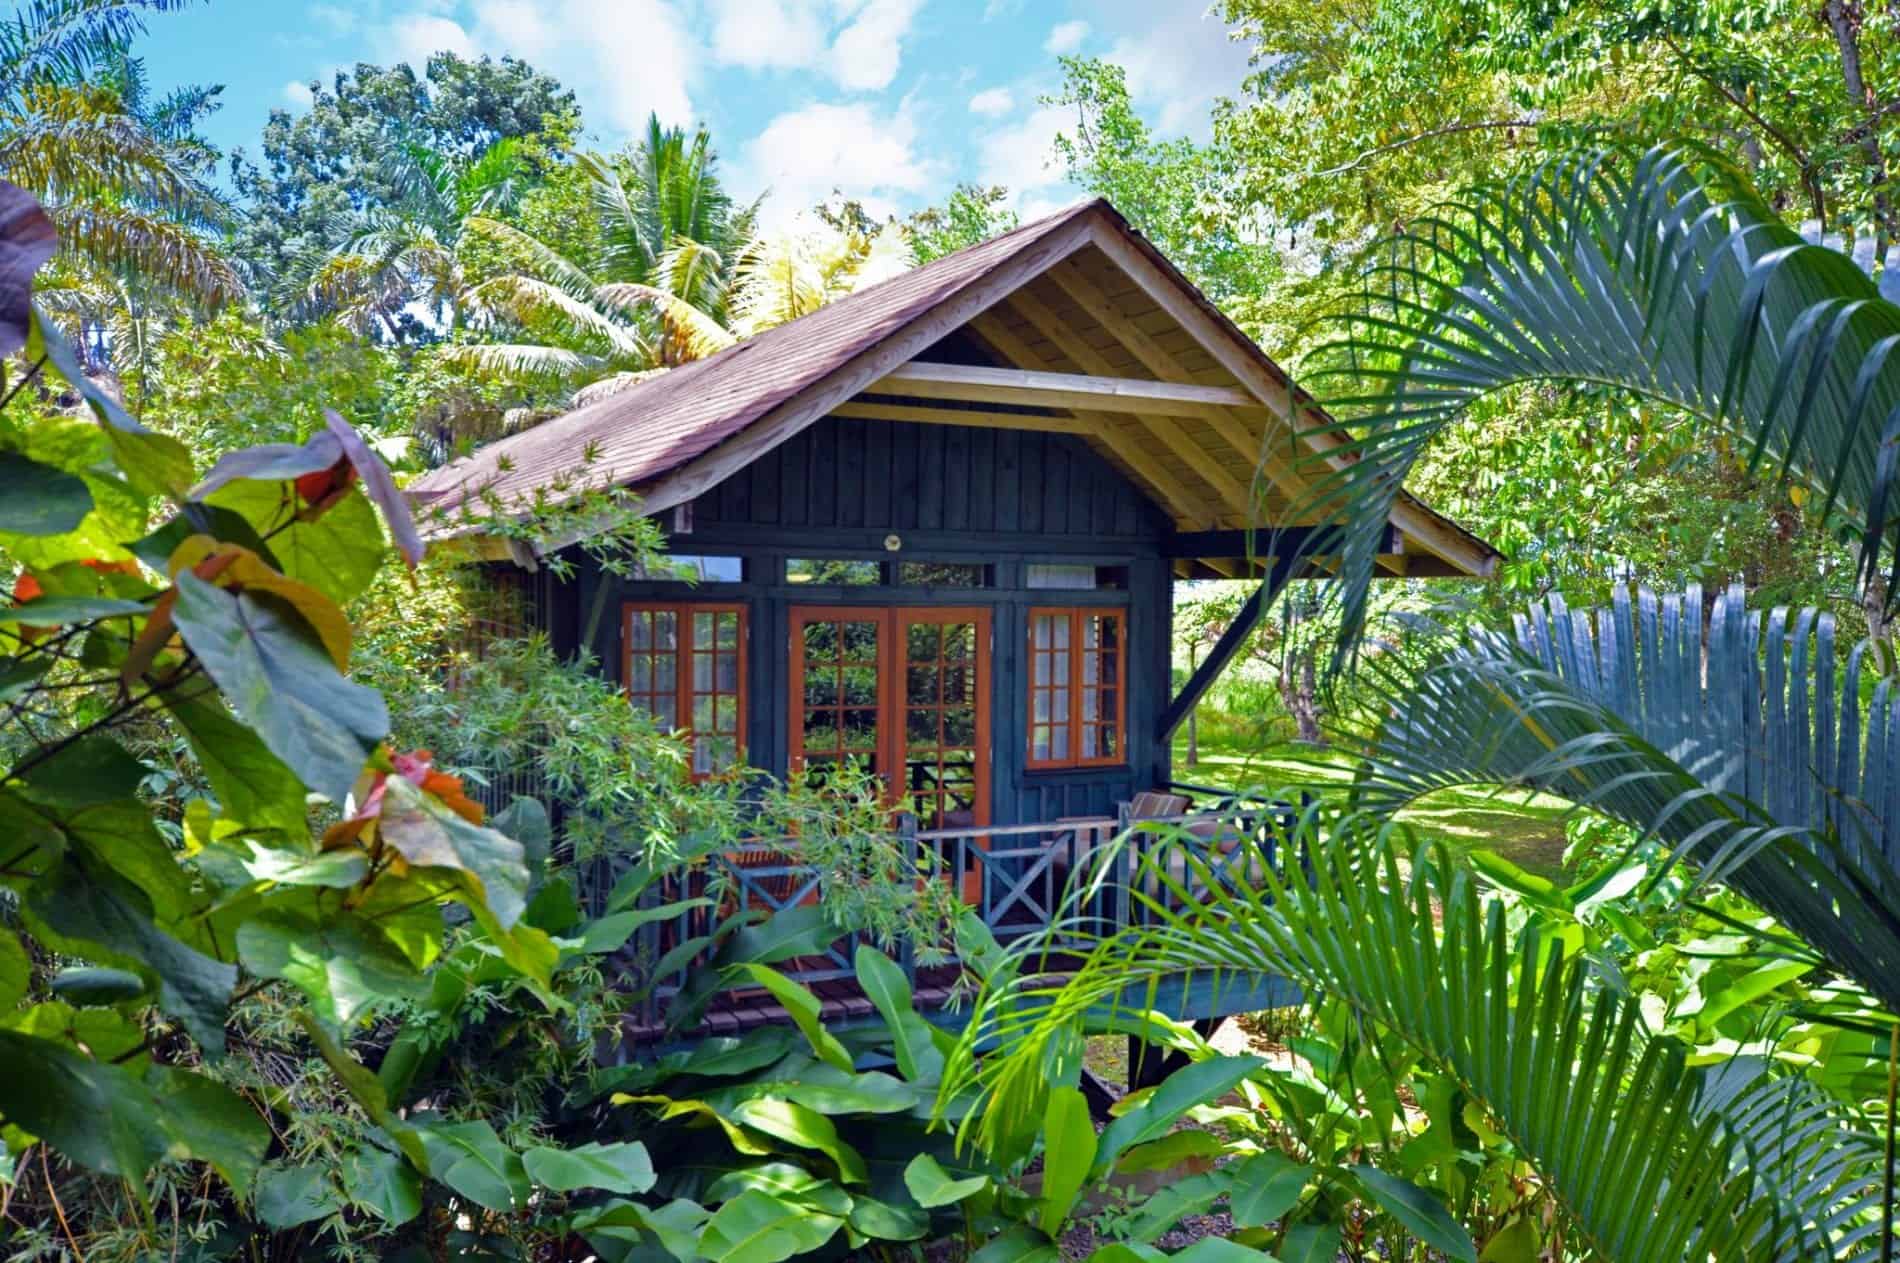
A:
x: 936, y: 527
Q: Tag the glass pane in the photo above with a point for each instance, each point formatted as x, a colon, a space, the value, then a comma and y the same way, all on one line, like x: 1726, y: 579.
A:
x: 821, y: 688
x: 940, y: 574
x: 1039, y: 709
x: 661, y: 708
x: 702, y: 714
x: 1059, y: 742
x: 1044, y: 672
x: 860, y: 686
x: 719, y: 752
x: 921, y: 685
x: 726, y: 676
x: 1039, y: 744
x: 834, y: 571
x: 642, y: 679
x: 666, y: 674
x: 1042, y: 631
x: 702, y: 673
x: 920, y: 728
x: 959, y: 642
x: 925, y: 642
x: 1111, y: 742
x: 821, y: 642
x: 959, y: 685
x: 860, y: 642
x: 639, y: 629
x: 821, y: 728
x: 959, y: 727
x: 727, y: 634
x: 1071, y: 577
x: 860, y: 730
x: 725, y: 714
x: 1090, y: 743
x: 663, y: 630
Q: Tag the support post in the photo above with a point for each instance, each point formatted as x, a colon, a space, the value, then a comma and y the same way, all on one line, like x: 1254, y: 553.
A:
x: 1224, y: 650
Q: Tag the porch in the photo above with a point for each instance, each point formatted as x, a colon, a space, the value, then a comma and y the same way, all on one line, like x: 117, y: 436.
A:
x: 1016, y: 878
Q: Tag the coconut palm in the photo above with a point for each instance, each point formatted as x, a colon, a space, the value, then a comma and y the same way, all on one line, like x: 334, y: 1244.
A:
x: 121, y: 175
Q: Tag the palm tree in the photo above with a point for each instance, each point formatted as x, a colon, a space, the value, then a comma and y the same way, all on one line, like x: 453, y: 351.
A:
x: 1732, y: 740
x: 122, y: 176
x: 678, y: 273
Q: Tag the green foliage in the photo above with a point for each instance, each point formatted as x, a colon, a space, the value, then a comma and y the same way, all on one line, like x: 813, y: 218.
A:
x: 971, y: 214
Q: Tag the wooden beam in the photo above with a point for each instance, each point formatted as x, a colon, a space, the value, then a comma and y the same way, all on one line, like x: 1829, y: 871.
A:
x: 1223, y: 651
x: 872, y: 410
x: 1186, y: 507
x: 1235, y: 432
x: 1248, y: 366
x: 1057, y: 390
x: 1192, y: 454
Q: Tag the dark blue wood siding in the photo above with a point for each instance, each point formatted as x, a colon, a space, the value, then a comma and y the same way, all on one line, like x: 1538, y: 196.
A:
x: 1002, y: 498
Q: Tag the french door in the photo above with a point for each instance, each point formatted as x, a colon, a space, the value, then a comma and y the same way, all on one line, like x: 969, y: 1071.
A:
x: 902, y: 692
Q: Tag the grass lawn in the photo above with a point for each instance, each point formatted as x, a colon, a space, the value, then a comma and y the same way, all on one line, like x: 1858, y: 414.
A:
x: 1526, y: 829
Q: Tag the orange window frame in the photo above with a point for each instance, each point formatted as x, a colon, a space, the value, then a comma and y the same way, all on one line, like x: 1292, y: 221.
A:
x: 1074, y: 683
x: 685, y: 653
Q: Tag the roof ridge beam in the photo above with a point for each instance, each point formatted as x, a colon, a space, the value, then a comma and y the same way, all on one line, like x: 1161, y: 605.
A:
x: 1037, y: 388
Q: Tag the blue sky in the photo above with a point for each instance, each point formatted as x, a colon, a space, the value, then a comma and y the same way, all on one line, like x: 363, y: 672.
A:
x: 893, y: 101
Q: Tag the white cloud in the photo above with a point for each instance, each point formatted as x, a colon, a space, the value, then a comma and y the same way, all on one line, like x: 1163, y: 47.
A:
x: 1066, y: 37
x: 623, y: 58
x: 866, y: 54
x: 774, y: 34
x: 1021, y: 157
x: 855, y: 147
x: 992, y: 102
x: 298, y: 94
x: 1177, y: 61
x: 415, y: 37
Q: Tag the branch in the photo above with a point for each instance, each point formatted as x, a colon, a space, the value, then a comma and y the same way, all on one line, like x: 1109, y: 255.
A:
x: 1787, y: 142
x: 1450, y: 129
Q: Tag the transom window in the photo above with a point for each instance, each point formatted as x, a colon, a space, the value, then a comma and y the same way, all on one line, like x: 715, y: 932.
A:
x: 685, y: 666
x: 1078, y: 662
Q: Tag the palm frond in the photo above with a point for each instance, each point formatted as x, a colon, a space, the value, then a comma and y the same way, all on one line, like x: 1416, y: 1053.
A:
x: 690, y: 333
x: 63, y: 39
x: 158, y: 249
x: 1649, y: 1163
x: 595, y: 391
x: 1733, y: 738
x: 530, y: 302
x: 1663, y: 274
x: 520, y: 361
x: 542, y: 260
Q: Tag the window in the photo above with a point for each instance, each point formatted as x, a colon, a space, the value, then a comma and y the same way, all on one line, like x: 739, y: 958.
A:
x: 1075, y: 578
x: 694, y: 568
x: 685, y: 666
x: 1077, y: 672
x: 941, y: 574
x: 834, y: 570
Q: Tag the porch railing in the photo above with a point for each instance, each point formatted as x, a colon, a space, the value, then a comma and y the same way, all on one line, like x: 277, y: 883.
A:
x: 1018, y: 878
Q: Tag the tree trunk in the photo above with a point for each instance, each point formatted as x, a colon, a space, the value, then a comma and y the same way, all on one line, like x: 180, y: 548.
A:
x: 1844, y: 19
x: 1193, y: 727
x: 1299, y: 691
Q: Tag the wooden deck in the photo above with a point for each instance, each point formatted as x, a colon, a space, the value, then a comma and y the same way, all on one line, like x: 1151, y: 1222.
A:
x: 1015, y: 877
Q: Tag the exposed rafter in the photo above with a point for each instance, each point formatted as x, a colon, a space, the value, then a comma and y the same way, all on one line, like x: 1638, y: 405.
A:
x: 1059, y: 390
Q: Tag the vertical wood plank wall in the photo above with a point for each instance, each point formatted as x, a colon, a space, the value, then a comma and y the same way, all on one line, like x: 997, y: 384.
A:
x: 1002, y: 498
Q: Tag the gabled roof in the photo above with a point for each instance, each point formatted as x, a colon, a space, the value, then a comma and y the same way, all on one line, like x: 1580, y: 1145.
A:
x: 674, y: 435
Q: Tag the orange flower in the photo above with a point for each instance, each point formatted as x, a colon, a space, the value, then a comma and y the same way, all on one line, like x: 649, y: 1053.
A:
x: 27, y: 588
x: 320, y: 488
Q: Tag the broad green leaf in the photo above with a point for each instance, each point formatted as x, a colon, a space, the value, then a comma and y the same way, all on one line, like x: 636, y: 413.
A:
x: 471, y: 1159
x: 756, y: 1227
x: 917, y: 1057
x: 828, y: 1090
x: 1169, y: 1151
x: 1516, y: 1242
x: 64, y: 611
x: 1018, y: 1244
x: 38, y: 499
x: 800, y: 931
x: 1197, y: 1083
x: 1266, y: 1186
x: 611, y: 932
x: 84, y: 985
x: 785, y: 1181
x: 90, y: 771
x: 806, y: 1128
x: 363, y: 1087
x: 1310, y: 1243
x: 16, y: 971
x: 281, y: 682
x: 885, y: 1222
x: 1175, y: 1201
x: 343, y: 963
x: 1747, y: 989
x: 620, y: 1168
x: 338, y: 553
x: 383, y: 1183
x: 1422, y: 1213
x: 85, y: 909
x: 286, y: 1196
x: 805, y: 1010
x: 933, y: 1186
x: 1539, y: 891
x: 430, y: 835
x: 1219, y: 1250
x: 718, y: 1056
x: 1126, y: 1252
x: 254, y: 787
x: 206, y: 1120
x: 1069, y: 1141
